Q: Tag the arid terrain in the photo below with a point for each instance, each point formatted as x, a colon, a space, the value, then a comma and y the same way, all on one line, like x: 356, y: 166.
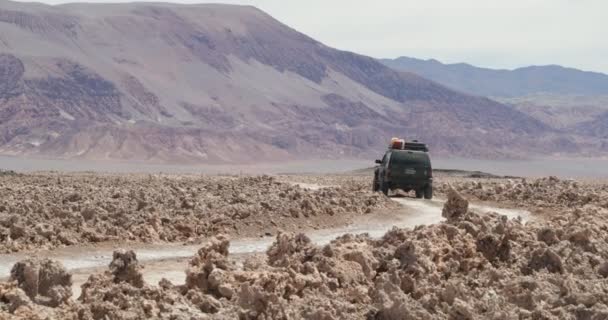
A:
x: 565, y: 99
x: 54, y: 210
x: 486, y: 248
x: 173, y: 161
x: 210, y: 83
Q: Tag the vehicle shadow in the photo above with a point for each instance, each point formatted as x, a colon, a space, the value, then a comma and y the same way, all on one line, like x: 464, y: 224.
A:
x: 401, y: 194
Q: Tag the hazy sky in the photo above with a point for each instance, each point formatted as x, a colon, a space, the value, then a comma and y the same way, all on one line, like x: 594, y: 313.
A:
x: 491, y: 33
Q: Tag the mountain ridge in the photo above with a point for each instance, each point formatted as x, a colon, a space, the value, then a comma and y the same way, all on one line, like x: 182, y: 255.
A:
x: 223, y: 83
x: 505, y: 82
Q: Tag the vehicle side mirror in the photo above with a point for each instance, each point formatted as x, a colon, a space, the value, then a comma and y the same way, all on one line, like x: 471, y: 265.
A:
x: 378, y: 161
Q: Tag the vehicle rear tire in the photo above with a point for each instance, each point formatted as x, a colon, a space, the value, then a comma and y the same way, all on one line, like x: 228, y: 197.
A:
x: 428, y: 192
x: 419, y: 194
x: 384, y: 188
x: 375, y: 186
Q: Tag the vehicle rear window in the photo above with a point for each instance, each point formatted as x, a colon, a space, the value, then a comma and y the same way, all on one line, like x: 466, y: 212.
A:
x: 410, y: 158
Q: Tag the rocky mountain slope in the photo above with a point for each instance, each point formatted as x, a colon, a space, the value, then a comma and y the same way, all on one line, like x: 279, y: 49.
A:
x: 217, y: 83
x: 568, y: 100
x: 571, y: 113
x: 506, y: 83
x: 595, y: 127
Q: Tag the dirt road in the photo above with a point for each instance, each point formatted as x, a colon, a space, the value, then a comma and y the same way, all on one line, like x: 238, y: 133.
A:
x: 169, y: 260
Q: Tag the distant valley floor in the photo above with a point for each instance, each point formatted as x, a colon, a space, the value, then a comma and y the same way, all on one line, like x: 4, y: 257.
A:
x: 562, y: 167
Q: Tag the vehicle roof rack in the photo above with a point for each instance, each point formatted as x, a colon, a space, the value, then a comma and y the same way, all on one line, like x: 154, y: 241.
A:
x: 412, y: 145
x: 415, y: 146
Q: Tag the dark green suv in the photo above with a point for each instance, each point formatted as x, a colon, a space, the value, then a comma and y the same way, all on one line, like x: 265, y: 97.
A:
x: 406, y: 170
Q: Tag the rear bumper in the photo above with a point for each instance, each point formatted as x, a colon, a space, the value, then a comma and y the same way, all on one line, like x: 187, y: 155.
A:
x: 408, y: 185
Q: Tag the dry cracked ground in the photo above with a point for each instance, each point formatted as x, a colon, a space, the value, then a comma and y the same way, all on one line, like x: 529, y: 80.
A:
x: 470, y: 266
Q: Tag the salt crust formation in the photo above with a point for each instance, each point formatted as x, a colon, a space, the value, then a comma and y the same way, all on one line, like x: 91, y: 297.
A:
x: 45, y: 211
x: 472, y: 266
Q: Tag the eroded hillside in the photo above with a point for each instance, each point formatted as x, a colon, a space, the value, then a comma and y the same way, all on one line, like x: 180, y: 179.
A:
x: 213, y: 82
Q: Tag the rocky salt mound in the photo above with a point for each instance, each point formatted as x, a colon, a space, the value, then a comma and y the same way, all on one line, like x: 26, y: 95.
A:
x: 470, y: 267
x: 35, y: 282
x: 549, y: 192
x: 120, y: 293
x: 46, y: 211
x: 455, y: 207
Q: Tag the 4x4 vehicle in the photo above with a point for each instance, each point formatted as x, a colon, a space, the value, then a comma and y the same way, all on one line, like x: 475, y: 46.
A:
x: 406, y: 169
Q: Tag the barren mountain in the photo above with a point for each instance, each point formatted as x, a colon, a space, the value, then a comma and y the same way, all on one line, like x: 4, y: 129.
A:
x: 212, y: 83
x: 596, y: 127
x: 564, y: 112
x: 506, y: 83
